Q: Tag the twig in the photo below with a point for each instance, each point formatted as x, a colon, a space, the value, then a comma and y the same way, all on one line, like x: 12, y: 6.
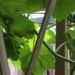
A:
x: 60, y: 46
x: 28, y: 15
x: 51, y: 26
x: 41, y: 36
x: 55, y: 54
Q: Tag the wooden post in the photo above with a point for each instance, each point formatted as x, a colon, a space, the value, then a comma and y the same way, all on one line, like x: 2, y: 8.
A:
x: 60, y: 67
x: 0, y: 70
x: 3, y: 56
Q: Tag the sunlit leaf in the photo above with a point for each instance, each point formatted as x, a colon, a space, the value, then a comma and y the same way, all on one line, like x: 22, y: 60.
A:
x: 49, y: 37
x: 45, y: 61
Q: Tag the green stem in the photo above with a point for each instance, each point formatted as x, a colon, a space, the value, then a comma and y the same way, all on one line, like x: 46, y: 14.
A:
x: 72, y: 50
x: 58, y: 56
x: 60, y: 46
x: 55, y: 54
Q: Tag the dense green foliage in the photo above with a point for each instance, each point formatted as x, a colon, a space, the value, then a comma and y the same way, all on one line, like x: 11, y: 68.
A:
x: 19, y: 33
x: 63, y: 9
x: 70, y: 39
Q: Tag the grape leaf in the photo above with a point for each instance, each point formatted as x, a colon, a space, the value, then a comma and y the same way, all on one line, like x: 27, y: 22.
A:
x: 63, y: 8
x: 22, y: 26
x: 11, y: 6
x: 18, y: 25
x: 70, y: 38
x: 44, y: 61
x: 10, y: 47
x: 16, y: 64
x: 61, y: 11
x: 49, y: 37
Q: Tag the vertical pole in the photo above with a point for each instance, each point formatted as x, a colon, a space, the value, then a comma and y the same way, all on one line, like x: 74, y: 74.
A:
x: 0, y: 70
x: 39, y: 41
x: 60, y: 68
x: 3, y: 56
x: 48, y: 72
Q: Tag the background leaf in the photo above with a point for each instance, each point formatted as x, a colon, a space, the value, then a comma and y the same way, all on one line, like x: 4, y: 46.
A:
x: 63, y: 8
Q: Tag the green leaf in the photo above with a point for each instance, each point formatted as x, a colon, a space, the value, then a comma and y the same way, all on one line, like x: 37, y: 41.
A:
x: 72, y: 65
x: 70, y: 38
x: 19, y: 25
x: 63, y: 8
x: 17, y: 64
x: 22, y: 26
x: 71, y: 46
x: 38, y: 70
x: 32, y: 42
x: 49, y: 37
x: 44, y: 61
x: 1, y: 23
x: 46, y: 57
x: 72, y: 33
x: 28, y: 6
x: 36, y: 26
x: 10, y: 47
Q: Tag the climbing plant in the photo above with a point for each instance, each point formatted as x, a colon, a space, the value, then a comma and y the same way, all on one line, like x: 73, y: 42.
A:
x: 20, y: 33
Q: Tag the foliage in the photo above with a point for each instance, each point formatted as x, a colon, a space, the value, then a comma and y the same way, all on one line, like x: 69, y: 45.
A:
x: 63, y: 9
x: 19, y: 34
x: 70, y: 37
x: 19, y: 39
